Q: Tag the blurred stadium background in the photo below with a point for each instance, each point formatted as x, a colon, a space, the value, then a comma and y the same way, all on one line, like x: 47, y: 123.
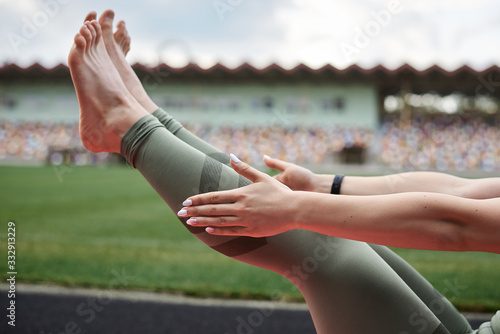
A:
x: 401, y: 119
x: 80, y: 225
x: 359, y: 121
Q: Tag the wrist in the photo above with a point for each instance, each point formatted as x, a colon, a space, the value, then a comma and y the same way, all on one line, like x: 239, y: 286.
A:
x: 337, y: 182
x: 323, y: 183
x: 294, y: 217
x: 303, y: 209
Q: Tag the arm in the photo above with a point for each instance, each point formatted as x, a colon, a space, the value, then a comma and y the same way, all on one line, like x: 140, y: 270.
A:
x: 410, y: 220
x: 299, y: 178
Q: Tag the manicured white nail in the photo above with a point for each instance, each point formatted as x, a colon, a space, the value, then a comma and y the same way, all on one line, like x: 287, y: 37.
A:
x: 182, y: 213
x: 210, y: 229
x: 191, y: 221
x: 235, y: 158
x: 187, y: 202
x: 266, y: 156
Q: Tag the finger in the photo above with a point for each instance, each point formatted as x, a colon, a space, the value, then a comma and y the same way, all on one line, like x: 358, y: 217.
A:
x: 246, y: 170
x: 277, y: 164
x: 216, y: 197
x: 232, y: 231
x: 223, y: 221
x: 209, y: 210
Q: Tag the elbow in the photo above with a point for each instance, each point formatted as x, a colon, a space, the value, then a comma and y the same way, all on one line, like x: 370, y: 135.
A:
x: 466, y: 225
x: 478, y: 239
x: 453, y: 236
x: 463, y: 237
x: 467, y: 240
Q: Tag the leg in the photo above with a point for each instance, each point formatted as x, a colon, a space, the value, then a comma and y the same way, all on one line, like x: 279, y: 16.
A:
x: 437, y: 303
x: 117, y: 45
x: 341, y: 280
x: 338, y: 278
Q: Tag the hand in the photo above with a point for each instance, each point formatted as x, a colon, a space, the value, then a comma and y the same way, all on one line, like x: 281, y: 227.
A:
x: 260, y: 209
x: 294, y: 176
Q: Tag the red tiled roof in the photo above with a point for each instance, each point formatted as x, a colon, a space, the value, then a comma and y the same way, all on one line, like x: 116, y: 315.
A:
x: 37, y: 67
x: 435, y: 78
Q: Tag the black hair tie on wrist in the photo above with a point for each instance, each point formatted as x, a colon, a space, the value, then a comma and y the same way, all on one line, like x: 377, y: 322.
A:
x: 337, y: 181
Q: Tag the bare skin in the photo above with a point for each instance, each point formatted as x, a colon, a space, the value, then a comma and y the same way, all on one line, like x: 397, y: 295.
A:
x: 107, y: 109
x: 433, y: 219
x: 117, y: 45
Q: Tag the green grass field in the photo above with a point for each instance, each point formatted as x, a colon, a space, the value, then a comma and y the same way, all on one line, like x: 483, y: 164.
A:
x: 107, y: 228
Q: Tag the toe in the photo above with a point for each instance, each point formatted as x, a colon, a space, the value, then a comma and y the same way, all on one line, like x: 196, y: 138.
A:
x: 98, y: 30
x: 121, y: 31
x: 121, y: 37
x: 121, y: 25
x: 121, y: 28
x: 90, y: 16
x: 86, y: 34
x: 125, y: 45
x: 80, y: 41
x: 92, y: 31
x: 106, y: 20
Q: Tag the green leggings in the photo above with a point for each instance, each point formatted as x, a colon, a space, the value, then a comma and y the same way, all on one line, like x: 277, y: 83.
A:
x: 349, y: 286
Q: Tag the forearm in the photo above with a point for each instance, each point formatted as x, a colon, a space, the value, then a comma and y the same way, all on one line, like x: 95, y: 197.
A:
x: 403, y: 182
x: 413, y: 182
x: 411, y: 220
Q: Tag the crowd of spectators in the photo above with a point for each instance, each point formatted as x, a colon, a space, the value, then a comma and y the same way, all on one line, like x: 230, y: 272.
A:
x: 305, y: 146
x: 444, y: 142
x: 47, y: 142
x: 424, y: 142
x: 60, y: 143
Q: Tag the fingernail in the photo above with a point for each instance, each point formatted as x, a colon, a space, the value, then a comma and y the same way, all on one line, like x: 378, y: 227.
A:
x: 191, y: 221
x: 187, y: 202
x: 234, y: 158
x: 266, y: 156
x: 210, y: 229
x: 182, y: 213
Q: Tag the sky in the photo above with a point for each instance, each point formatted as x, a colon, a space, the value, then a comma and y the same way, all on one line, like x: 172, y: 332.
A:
x: 422, y: 33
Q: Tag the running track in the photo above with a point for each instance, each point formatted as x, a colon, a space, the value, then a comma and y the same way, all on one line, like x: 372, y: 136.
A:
x: 55, y: 310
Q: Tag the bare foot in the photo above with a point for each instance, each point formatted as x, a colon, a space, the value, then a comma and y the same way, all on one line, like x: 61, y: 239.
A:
x: 118, y: 45
x: 107, y: 109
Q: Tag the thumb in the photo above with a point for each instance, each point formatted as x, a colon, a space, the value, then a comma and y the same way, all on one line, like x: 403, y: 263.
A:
x: 276, y: 164
x: 246, y: 170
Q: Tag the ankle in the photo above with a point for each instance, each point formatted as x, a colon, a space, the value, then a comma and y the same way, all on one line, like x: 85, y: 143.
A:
x: 145, y: 101
x: 150, y: 106
x: 125, y: 119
